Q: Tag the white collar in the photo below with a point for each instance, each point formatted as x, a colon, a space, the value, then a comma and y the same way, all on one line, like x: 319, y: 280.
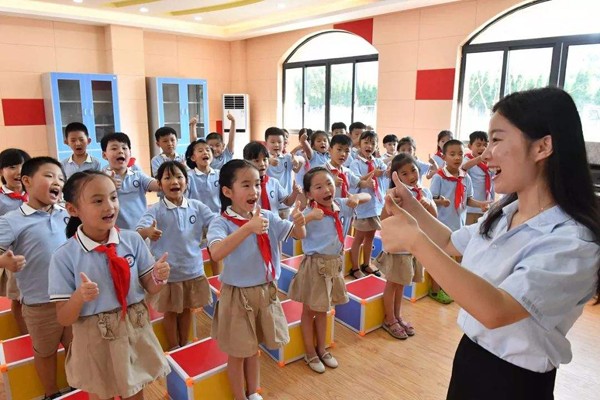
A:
x: 87, y: 160
x: 170, y: 205
x: 229, y: 211
x: 166, y: 157
x: 6, y: 190
x: 198, y: 172
x: 88, y: 244
x: 364, y: 159
x: 461, y: 173
x: 334, y: 205
x: 128, y: 172
x: 330, y: 167
x: 26, y: 209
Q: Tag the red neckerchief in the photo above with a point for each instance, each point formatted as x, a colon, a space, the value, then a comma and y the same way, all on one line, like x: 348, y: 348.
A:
x: 418, y: 191
x: 131, y: 162
x: 24, y: 197
x: 371, y: 167
x: 264, y: 195
x: 488, y: 178
x: 264, y: 245
x: 460, y: 188
x: 439, y: 153
x: 120, y: 273
x: 340, y: 174
x: 336, y: 218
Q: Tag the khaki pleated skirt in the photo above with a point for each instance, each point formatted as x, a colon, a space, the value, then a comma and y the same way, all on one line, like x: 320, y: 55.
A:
x: 319, y: 283
x: 177, y: 296
x: 402, y: 269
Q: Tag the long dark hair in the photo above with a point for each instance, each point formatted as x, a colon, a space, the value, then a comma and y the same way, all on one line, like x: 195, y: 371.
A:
x: 399, y: 161
x: 227, y: 177
x: 540, y: 112
x: 72, y: 191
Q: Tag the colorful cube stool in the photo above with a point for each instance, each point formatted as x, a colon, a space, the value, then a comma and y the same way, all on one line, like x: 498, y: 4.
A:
x: 74, y: 395
x: 347, y: 263
x: 417, y: 290
x: 215, y: 289
x: 377, y: 245
x: 364, y: 312
x: 199, y: 372
x: 20, y: 379
x: 157, y: 321
x: 292, y: 247
x: 8, y: 324
x: 289, y: 267
x: 294, y: 350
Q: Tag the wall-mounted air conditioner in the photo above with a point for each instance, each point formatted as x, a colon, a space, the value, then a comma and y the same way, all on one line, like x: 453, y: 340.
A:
x: 239, y: 106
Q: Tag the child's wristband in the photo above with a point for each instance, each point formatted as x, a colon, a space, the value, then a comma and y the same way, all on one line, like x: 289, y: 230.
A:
x: 156, y: 280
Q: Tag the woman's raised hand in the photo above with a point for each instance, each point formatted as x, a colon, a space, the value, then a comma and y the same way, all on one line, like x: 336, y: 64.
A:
x: 400, y: 231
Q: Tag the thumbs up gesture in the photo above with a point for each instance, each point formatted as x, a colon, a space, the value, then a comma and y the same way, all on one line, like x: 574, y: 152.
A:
x: 258, y: 224
x: 161, y: 270
x: 297, y: 216
x: 115, y: 177
x: 88, y: 290
x: 12, y: 262
x: 153, y: 232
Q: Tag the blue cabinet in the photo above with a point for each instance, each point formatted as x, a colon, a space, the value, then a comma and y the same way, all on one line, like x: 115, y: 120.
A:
x: 174, y: 102
x: 88, y: 98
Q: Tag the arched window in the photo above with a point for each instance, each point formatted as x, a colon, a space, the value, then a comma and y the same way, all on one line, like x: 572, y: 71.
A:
x: 543, y: 43
x: 330, y: 77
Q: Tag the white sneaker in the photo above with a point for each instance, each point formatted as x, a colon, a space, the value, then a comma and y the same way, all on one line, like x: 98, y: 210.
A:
x: 329, y: 360
x: 255, y: 396
x: 315, y: 364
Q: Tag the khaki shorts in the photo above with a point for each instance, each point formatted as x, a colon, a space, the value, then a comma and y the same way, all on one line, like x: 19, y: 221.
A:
x: 245, y: 317
x: 177, y: 296
x: 45, y: 331
x: 402, y: 269
x: 472, y: 218
x: 367, y: 224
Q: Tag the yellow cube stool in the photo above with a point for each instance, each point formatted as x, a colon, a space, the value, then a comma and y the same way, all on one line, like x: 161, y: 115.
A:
x: 215, y: 289
x: 292, y: 247
x: 20, y: 379
x: 364, y: 312
x: 417, y: 290
x: 8, y: 324
x: 294, y: 350
x: 199, y: 372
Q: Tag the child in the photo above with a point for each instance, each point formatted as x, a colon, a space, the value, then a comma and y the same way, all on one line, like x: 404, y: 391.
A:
x: 182, y: 223
x: 281, y: 165
x: 477, y: 169
x: 215, y: 141
x: 271, y: 192
x: 131, y: 185
x: 367, y: 215
x: 442, y: 138
x: 97, y: 281
x: 452, y: 191
x: 203, y: 179
x: 390, y: 142
x: 317, y: 154
x: 166, y: 139
x: 12, y: 196
x: 78, y: 138
x: 345, y: 180
x: 402, y: 269
x: 338, y: 128
x: 409, y: 146
x: 354, y: 131
x: 319, y: 283
x: 247, y: 239
x: 28, y: 237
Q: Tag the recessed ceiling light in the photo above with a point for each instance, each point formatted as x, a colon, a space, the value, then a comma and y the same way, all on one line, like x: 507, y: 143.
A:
x: 144, y: 9
x: 198, y: 18
x: 281, y: 6
x: 77, y: 1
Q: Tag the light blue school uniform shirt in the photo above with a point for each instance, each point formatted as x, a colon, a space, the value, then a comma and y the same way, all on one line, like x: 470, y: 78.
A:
x: 423, y: 168
x: 34, y: 234
x: 321, y: 236
x: 353, y: 179
x: 440, y: 162
x: 276, y: 193
x: 158, y: 160
x: 319, y: 159
x: 450, y: 216
x: 351, y: 156
x: 244, y: 266
x: 478, y: 179
x: 78, y: 255
x: 225, y: 157
x: 132, y: 198
x: 283, y: 171
x: 205, y: 188
x: 374, y: 207
x: 6, y: 203
x: 549, y: 265
x: 70, y: 166
x: 182, y: 229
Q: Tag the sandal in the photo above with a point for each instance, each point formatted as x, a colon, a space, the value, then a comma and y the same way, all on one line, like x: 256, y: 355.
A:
x: 356, y: 274
x: 410, y: 331
x: 328, y: 360
x: 315, y: 364
x: 395, y: 330
x: 370, y: 270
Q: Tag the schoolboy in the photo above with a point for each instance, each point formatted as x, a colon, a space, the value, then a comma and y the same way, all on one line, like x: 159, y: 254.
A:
x: 222, y: 155
x: 166, y: 139
x: 78, y: 139
x: 131, y: 185
x: 338, y: 128
x: 481, y: 176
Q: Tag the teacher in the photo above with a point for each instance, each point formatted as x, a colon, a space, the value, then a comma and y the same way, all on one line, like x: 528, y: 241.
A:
x: 529, y: 265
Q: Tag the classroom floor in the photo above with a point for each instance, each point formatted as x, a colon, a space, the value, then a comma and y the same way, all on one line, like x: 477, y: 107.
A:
x: 379, y: 367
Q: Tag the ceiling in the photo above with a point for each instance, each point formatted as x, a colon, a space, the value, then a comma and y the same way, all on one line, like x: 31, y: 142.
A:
x: 221, y: 19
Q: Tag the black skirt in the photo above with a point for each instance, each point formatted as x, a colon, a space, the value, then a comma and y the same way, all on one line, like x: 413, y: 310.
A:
x: 478, y: 374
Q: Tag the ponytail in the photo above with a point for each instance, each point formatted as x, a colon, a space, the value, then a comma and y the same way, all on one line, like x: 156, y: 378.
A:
x: 72, y: 226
